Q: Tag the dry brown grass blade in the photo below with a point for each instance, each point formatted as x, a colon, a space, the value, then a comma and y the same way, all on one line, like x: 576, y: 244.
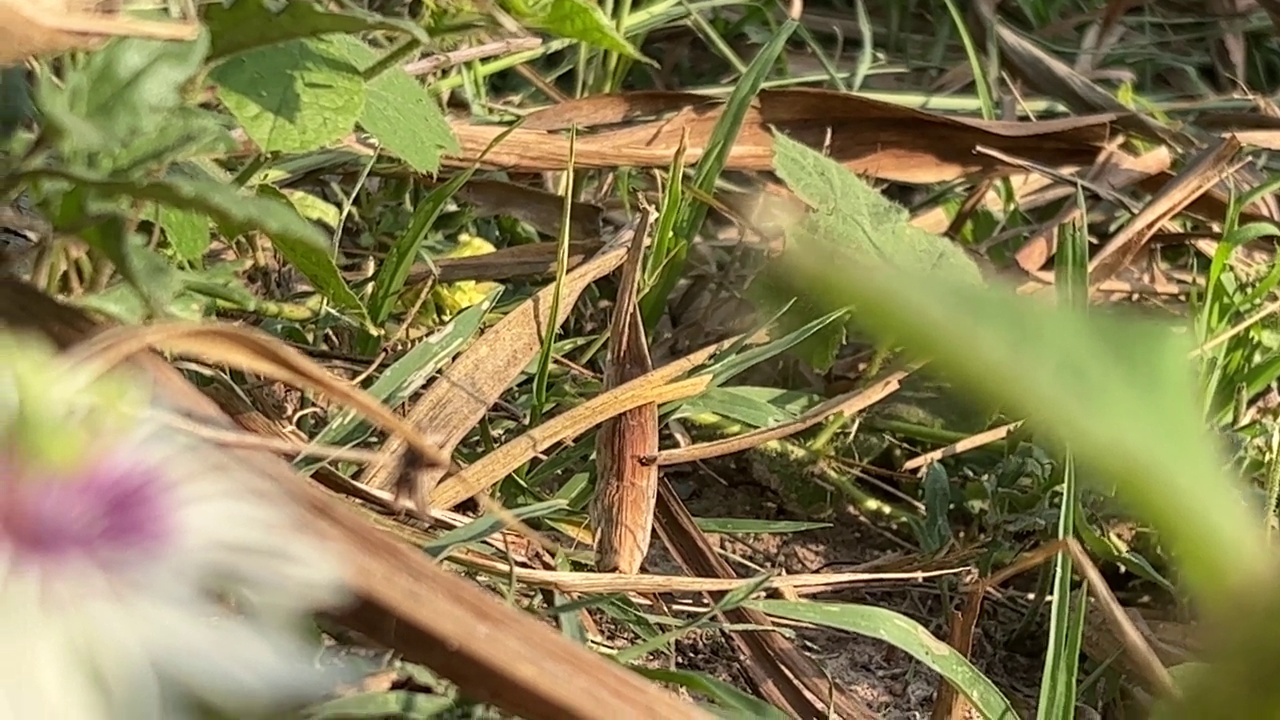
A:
x: 1048, y: 75
x: 1208, y: 168
x: 1114, y: 171
x: 489, y: 470
x: 626, y: 489
x: 583, y: 582
x: 384, y: 503
x: 947, y: 703
x: 531, y: 260
x: 51, y: 27
x: 457, y: 400
x: 1141, y: 654
x: 252, y: 351
x: 961, y: 446
x: 873, y: 138
x: 1136, y: 645
x: 854, y: 401
x: 406, y: 602
x: 1029, y: 191
x: 541, y: 209
x: 783, y: 675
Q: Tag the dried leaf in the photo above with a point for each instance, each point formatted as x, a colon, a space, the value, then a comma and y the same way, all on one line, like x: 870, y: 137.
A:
x: 51, y: 27
x: 626, y: 487
x: 879, y: 139
x: 458, y: 399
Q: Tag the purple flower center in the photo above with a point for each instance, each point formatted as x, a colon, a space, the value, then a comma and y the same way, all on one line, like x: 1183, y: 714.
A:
x: 109, y: 507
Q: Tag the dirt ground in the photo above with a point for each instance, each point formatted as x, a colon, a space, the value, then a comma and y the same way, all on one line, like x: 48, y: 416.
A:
x: 888, y: 680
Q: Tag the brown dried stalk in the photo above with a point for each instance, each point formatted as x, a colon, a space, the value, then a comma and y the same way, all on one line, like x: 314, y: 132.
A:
x: 626, y: 487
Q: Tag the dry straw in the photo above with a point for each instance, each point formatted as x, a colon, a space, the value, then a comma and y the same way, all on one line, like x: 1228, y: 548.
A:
x: 51, y: 27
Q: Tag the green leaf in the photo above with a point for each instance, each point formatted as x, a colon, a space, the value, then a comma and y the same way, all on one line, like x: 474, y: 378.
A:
x: 575, y: 19
x: 748, y: 526
x: 756, y: 406
x: 399, y: 112
x: 293, y: 97
x: 390, y: 705
x: 315, y: 260
x: 486, y: 525
x: 186, y: 231
x: 146, y: 271
x: 858, y: 214
x: 905, y: 634
x: 1116, y: 391
x: 732, y: 702
x: 394, y: 269
x: 854, y: 211
x: 123, y: 92
x: 234, y: 211
x: 250, y: 24
x: 313, y: 208
x: 407, y: 375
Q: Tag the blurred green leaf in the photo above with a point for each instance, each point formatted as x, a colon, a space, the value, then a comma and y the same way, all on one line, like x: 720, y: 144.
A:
x: 315, y: 260
x: 312, y: 207
x: 745, y: 526
x: 292, y: 97
x: 390, y: 705
x: 126, y: 91
x: 574, y: 19
x: 399, y: 112
x: 859, y: 215
x: 905, y: 634
x: 250, y: 24
x: 186, y: 231
x: 233, y: 210
x: 1118, y: 392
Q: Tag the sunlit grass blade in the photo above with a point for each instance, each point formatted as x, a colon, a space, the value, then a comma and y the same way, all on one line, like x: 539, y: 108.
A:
x: 715, y: 156
x: 906, y: 634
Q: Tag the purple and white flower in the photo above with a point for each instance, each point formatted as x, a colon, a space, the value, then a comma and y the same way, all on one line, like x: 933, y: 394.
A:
x: 124, y: 542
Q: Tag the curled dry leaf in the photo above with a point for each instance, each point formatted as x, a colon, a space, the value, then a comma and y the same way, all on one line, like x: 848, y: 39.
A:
x: 874, y: 138
x: 51, y: 27
x: 457, y: 400
x: 626, y: 488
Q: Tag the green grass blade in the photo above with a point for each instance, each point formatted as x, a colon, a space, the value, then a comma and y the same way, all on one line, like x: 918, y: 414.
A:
x: 710, y: 165
x: 907, y: 635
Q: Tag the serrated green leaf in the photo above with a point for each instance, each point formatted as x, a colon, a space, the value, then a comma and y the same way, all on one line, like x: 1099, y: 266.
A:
x: 905, y: 634
x: 125, y: 91
x: 577, y: 20
x: 293, y: 97
x: 857, y: 214
x: 249, y: 24
x: 186, y: 231
x: 1118, y: 392
x: 315, y: 260
x: 399, y: 112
